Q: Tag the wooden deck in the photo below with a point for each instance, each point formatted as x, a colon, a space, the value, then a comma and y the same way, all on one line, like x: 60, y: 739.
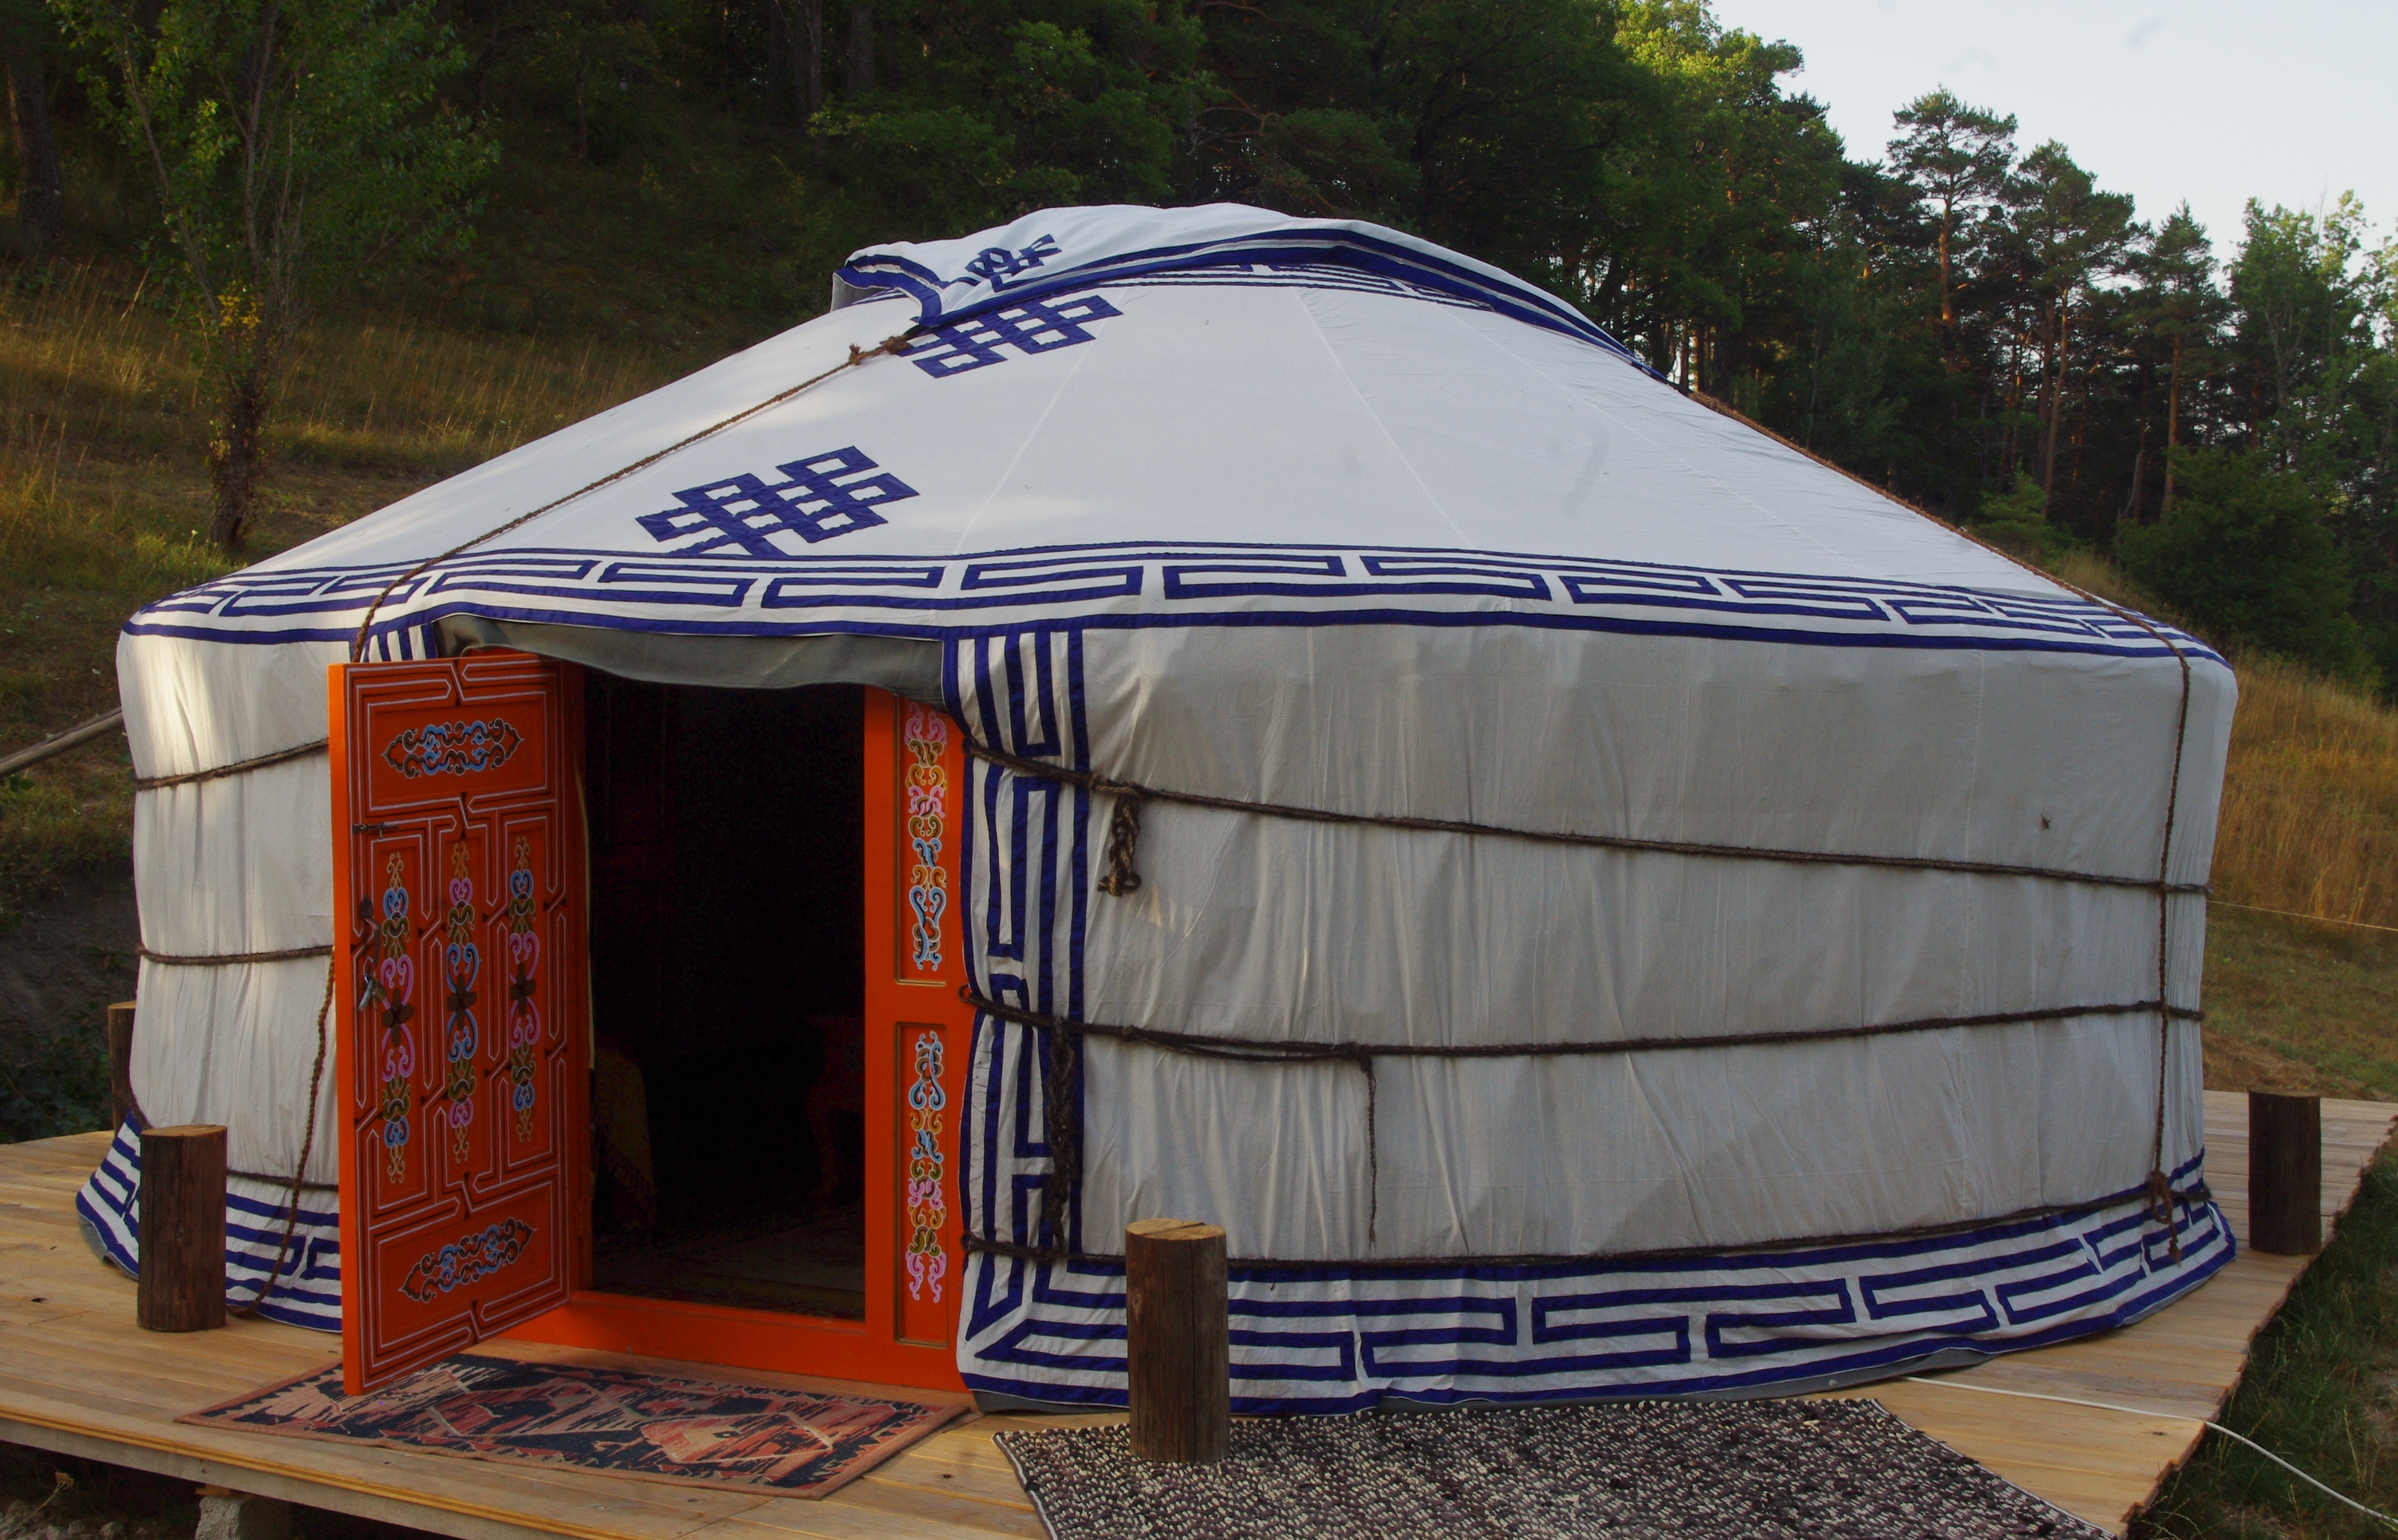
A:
x: 77, y: 1376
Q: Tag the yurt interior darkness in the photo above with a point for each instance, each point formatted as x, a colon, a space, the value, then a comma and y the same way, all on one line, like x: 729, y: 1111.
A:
x: 727, y: 973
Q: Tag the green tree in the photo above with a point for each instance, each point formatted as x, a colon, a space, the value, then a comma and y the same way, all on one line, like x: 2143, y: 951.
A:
x: 1958, y: 158
x: 2178, y: 302
x: 2244, y: 551
x: 2065, y: 238
x: 2316, y: 335
x: 963, y: 116
x: 291, y: 145
x: 1730, y: 190
x: 1485, y: 124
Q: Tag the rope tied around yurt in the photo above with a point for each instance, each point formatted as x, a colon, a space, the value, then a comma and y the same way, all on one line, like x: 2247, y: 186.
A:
x: 307, y: 1148
x: 1121, y: 878
x: 159, y: 782
x: 2181, y: 730
x: 895, y: 343
x: 1123, y: 836
x: 1062, y: 1098
x: 228, y: 960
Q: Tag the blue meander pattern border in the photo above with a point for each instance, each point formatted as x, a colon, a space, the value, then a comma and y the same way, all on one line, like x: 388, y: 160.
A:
x: 1337, y: 1338
x: 307, y: 1292
x: 1135, y: 584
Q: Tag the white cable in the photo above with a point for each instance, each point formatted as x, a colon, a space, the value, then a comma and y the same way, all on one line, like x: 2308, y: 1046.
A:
x: 2168, y: 1416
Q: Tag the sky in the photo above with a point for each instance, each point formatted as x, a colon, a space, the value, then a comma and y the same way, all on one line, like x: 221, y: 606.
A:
x: 2292, y: 102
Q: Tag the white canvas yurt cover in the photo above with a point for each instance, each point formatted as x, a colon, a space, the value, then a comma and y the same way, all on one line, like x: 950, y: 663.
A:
x: 1621, y: 907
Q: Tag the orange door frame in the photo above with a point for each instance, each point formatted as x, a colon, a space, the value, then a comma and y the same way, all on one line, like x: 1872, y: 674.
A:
x: 917, y: 1032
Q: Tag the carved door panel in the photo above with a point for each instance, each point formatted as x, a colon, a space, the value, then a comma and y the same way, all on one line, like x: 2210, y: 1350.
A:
x: 917, y: 1029
x: 458, y: 1001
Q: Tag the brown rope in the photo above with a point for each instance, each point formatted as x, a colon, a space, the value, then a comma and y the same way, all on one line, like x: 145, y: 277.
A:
x: 1124, y: 829
x: 1271, y: 1051
x: 279, y: 1181
x: 1061, y: 1118
x: 227, y: 959
x: 2181, y: 730
x: 2157, y: 1179
x: 1123, y: 834
x: 857, y: 356
x: 2198, y: 1194
x: 1061, y: 1103
x: 307, y: 1148
x: 158, y: 782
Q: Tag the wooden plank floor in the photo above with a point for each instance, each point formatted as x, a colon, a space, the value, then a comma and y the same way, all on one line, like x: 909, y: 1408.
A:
x: 2181, y: 1362
x: 77, y: 1376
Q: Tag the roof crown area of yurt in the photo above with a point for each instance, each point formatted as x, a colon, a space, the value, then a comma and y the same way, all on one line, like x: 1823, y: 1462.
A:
x: 1179, y: 713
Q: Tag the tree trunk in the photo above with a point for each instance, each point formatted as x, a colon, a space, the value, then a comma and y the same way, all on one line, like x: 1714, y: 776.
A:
x: 778, y: 45
x: 238, y: 459
x: 811, y: 95
x: 2285, y: 1173
x: 1177, y: 1348
x: 802, y: 23
x: 41, y: 185
x: 2131, y: 514
x: 2051, y: 389
x: 1948, y: 299
x: 2172, y: 425
x: 861, y: 47
x: 183, y: 1206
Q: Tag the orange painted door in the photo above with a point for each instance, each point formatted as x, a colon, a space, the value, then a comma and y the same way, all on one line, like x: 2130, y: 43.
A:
x: 460, y: 1042
x: 918, y: 1031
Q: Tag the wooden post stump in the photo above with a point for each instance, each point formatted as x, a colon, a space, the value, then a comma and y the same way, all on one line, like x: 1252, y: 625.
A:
x: 2285, y: 1173
x: 120, y: 1064
x: 182, y: 1280
x: 1177, y: 1344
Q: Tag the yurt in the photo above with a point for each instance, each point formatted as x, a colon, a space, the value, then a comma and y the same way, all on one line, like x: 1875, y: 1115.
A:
x: 1179, y: 713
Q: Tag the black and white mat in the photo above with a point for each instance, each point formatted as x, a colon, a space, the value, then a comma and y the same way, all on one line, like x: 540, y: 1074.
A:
x: 1658, y: 1470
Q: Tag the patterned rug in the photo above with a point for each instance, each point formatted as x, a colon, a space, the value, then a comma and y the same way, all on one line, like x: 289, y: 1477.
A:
x: 796, y: 1444
x: 1660, y: 1470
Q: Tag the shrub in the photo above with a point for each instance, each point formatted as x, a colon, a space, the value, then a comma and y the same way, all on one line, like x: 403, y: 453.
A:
x: 2244, y: 552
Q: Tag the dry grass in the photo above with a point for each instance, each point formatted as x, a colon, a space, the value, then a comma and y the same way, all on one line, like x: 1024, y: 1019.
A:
x: 102, y: 494
x: 2310, y: 800
x: 2308, y: 828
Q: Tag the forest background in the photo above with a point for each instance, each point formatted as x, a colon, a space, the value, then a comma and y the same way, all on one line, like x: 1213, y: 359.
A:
x: 1972, y: 322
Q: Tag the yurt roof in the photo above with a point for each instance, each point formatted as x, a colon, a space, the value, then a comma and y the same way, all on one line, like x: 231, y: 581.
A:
x: 1140, y: 416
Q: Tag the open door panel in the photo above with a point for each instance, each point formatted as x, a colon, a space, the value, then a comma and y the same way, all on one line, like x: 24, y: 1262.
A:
x: 461, y: 1037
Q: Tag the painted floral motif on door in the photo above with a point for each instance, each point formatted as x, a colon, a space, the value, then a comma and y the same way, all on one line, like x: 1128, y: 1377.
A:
x: 928, y: 1262
x: 388, y: 991
x: 925, y: 734
x: 462, y: 963
x: 524, y: 1011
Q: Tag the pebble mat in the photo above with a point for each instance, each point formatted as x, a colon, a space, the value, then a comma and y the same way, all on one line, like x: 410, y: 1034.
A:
x: 1660, y: 1470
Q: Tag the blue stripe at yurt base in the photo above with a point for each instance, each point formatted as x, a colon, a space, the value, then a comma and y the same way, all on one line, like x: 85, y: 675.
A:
x: 308, y: 1290
x: 1330, y: 1338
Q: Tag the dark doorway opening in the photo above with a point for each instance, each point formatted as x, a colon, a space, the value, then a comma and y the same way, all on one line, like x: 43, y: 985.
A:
x: 728, y: 992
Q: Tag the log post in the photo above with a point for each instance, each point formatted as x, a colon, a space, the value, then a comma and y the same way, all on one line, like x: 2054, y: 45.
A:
x: 2285, y: 1173
x: 183, y: 1278
x: 1178, y: 1347
x: 121, y: 1103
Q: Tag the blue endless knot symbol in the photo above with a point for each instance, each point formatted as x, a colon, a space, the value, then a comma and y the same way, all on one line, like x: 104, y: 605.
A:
x: 995, y: 262
x: 814, y: 503
x: 1033, y: 327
